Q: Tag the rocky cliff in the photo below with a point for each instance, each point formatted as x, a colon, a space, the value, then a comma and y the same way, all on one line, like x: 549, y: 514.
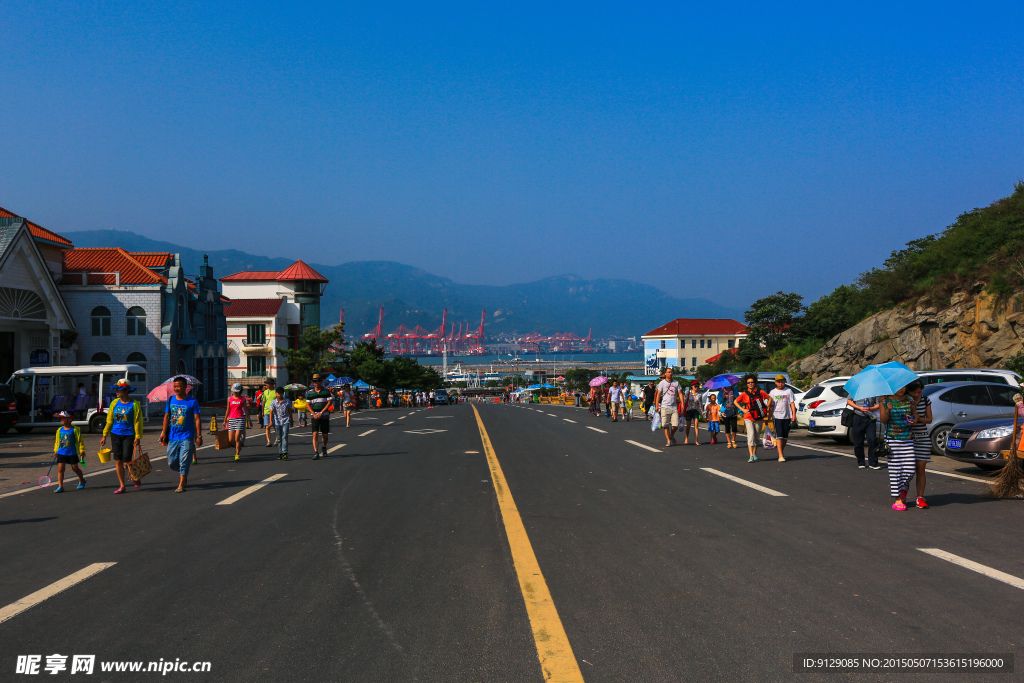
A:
x: 973, y: 331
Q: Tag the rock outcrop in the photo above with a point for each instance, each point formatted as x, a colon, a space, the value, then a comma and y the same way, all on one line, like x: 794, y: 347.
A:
x: 974, y: 331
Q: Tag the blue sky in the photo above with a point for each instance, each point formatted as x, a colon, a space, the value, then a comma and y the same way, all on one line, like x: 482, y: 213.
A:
x: 758, y: 147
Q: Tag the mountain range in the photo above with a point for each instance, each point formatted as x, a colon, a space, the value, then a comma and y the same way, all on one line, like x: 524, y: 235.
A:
x: 411, y: 296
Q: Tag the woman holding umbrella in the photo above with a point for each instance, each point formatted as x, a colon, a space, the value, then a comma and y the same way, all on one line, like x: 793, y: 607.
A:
x: 896, y: 412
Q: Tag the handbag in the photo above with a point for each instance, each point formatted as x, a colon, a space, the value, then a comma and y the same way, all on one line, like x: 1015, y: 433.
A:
x: 846, y: 418
x: 140, y: 465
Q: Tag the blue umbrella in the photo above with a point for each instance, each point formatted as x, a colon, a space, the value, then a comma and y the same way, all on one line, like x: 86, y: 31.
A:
x: 721, y: 381
x: 546, y: 386
x: 360, y: 385
x: 879, y: 380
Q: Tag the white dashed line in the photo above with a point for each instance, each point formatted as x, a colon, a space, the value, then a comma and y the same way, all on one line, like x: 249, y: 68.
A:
x: 552, y: 414
x: 973, y: 566
x: 252, y: 489
x: 597, y: 430
x: 758, y: 487
x: 19, y: 606
x: 389, y: 423
x: 568, y: 420
x: 369, y: 431
x: 644, y: 446
x: 334, y: 448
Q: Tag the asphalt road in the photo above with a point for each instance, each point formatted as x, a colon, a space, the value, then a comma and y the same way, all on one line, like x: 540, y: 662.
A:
x: 394, y: 559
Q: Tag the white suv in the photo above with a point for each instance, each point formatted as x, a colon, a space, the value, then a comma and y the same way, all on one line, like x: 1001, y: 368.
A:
x: 829, y: 390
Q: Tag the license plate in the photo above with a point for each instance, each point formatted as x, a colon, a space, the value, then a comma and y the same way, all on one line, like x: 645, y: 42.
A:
x: 954, y: 443
x: 812, y: 423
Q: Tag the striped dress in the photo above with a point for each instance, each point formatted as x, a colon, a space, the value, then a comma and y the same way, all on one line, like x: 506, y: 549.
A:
x: 901, y: 445
x: 922, y: 442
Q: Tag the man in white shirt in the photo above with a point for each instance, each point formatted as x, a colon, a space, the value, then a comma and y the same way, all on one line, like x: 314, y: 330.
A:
x: 666, y: 397
x: 617, y: 402
x: 782, y: 405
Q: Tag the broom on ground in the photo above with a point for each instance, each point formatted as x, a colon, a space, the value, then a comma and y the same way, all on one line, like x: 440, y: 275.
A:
x: 1010, y: 482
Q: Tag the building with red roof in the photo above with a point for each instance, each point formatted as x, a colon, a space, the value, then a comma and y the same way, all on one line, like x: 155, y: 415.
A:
x: 686, y: 343
x: 140, y: 308
x: 267, y: 312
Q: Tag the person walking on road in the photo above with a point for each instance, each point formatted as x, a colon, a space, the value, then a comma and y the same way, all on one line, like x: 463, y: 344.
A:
x: 691, y: 413
x: 713, y: 414
x: 863, y: 430
x: 648, y: 393
x: 182, y: 431
x: 666, y: 397
x: 266, y: 398
x: 348, y: 402
x: 922, y: 442
x: 617, y: 400
x: 281, y: 413
x: 783, y: 407
x: 124, y: 426
x: 236, y: 418
x: 318, y: 401
x: 67, y: 449
x: 897, y: 414
x: 753, y: 402
x: 726, y: 401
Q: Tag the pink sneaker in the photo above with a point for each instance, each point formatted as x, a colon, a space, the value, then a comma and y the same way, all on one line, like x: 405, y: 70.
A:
x: 899, y: 505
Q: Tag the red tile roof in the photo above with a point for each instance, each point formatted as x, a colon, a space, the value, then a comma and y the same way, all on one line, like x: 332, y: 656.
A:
x: 109, y: 260
x: 296, y: 271
x: 251, y: 308
x: 153, y: 259
x: 38, y: 231
x: 698, y: 326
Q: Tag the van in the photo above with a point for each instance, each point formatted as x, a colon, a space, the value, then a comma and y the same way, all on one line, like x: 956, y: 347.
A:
x: 82, y: 390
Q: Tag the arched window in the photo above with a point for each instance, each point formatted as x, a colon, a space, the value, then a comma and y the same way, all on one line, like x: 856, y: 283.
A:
x: 136, y: 321
x: 181, y: 367
x: 101, y: 322
x: 136, y: 358
x: 100, y: 358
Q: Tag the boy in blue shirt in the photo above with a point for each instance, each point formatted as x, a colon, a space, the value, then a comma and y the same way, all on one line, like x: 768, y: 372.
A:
x: 182, y: 431
x: 68, y: 448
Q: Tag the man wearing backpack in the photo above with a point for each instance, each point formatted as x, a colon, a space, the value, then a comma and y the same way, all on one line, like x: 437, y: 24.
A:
x: 753, y: 402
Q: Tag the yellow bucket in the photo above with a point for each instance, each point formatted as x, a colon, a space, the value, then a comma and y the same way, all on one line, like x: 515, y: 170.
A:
x: 104, y: 454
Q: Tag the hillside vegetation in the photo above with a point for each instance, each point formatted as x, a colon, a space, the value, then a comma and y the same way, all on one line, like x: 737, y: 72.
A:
x: 983, y: 245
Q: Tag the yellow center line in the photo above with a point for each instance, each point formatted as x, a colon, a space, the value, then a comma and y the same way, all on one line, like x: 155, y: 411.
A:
x: 557, y: 661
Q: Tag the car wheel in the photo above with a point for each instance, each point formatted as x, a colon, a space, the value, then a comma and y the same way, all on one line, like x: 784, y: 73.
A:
x: 24, y: 430
x: 97, y: 423
x: 939, y: 435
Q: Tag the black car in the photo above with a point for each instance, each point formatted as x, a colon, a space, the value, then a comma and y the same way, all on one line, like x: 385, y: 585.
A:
x: 8, y: 409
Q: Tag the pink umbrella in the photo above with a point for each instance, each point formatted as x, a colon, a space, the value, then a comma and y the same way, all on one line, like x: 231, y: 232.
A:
x: 598, y: 381
x: 165, y: 391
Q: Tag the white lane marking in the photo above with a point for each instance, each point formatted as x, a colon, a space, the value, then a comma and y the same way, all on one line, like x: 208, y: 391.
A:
x: 334, y: 448
x: 438, y: 417
x: 849, y: 455
x: 762, y: 489
x: 644, y: 446
x: 472, y: 451
x: 413, y: 412
x: 252, y: 489
x: 33, y: 599
x: 425, y: 431
x: 389, y: 423
x: 369, y: 431
x: 568, y: 420
x: 552, y: 415
x: 403, y: 417
x: 597, y: 430
x: 974, y: 566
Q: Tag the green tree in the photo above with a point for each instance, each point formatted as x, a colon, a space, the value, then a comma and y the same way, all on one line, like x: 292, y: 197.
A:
x: 773, y: 320
x: 366, y: 362
x: 578, y: 379
x: 835, y: 312
x: 319, y: 350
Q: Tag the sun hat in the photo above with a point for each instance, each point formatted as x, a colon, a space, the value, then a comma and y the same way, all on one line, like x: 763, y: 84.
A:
x: 316, y: 378
x: 237, y: 386
x: 122, y: 384
x: 62, y: 414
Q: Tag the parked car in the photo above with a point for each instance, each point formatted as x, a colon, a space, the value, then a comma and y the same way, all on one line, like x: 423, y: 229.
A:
x: 970, y: 375
x: 829, y: 390
x: 8, y: 409
x: 952, y: 404
x: 441, y: 397
x: 979, y: 442
x: 765, y: 384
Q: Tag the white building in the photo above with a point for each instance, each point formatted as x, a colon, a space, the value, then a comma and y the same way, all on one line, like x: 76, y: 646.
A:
x: 36, y: 327
x: 268, y: 311
x: 686, y: 343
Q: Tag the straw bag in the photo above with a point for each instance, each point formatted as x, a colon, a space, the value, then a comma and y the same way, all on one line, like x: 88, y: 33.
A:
x: 139, y: 466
